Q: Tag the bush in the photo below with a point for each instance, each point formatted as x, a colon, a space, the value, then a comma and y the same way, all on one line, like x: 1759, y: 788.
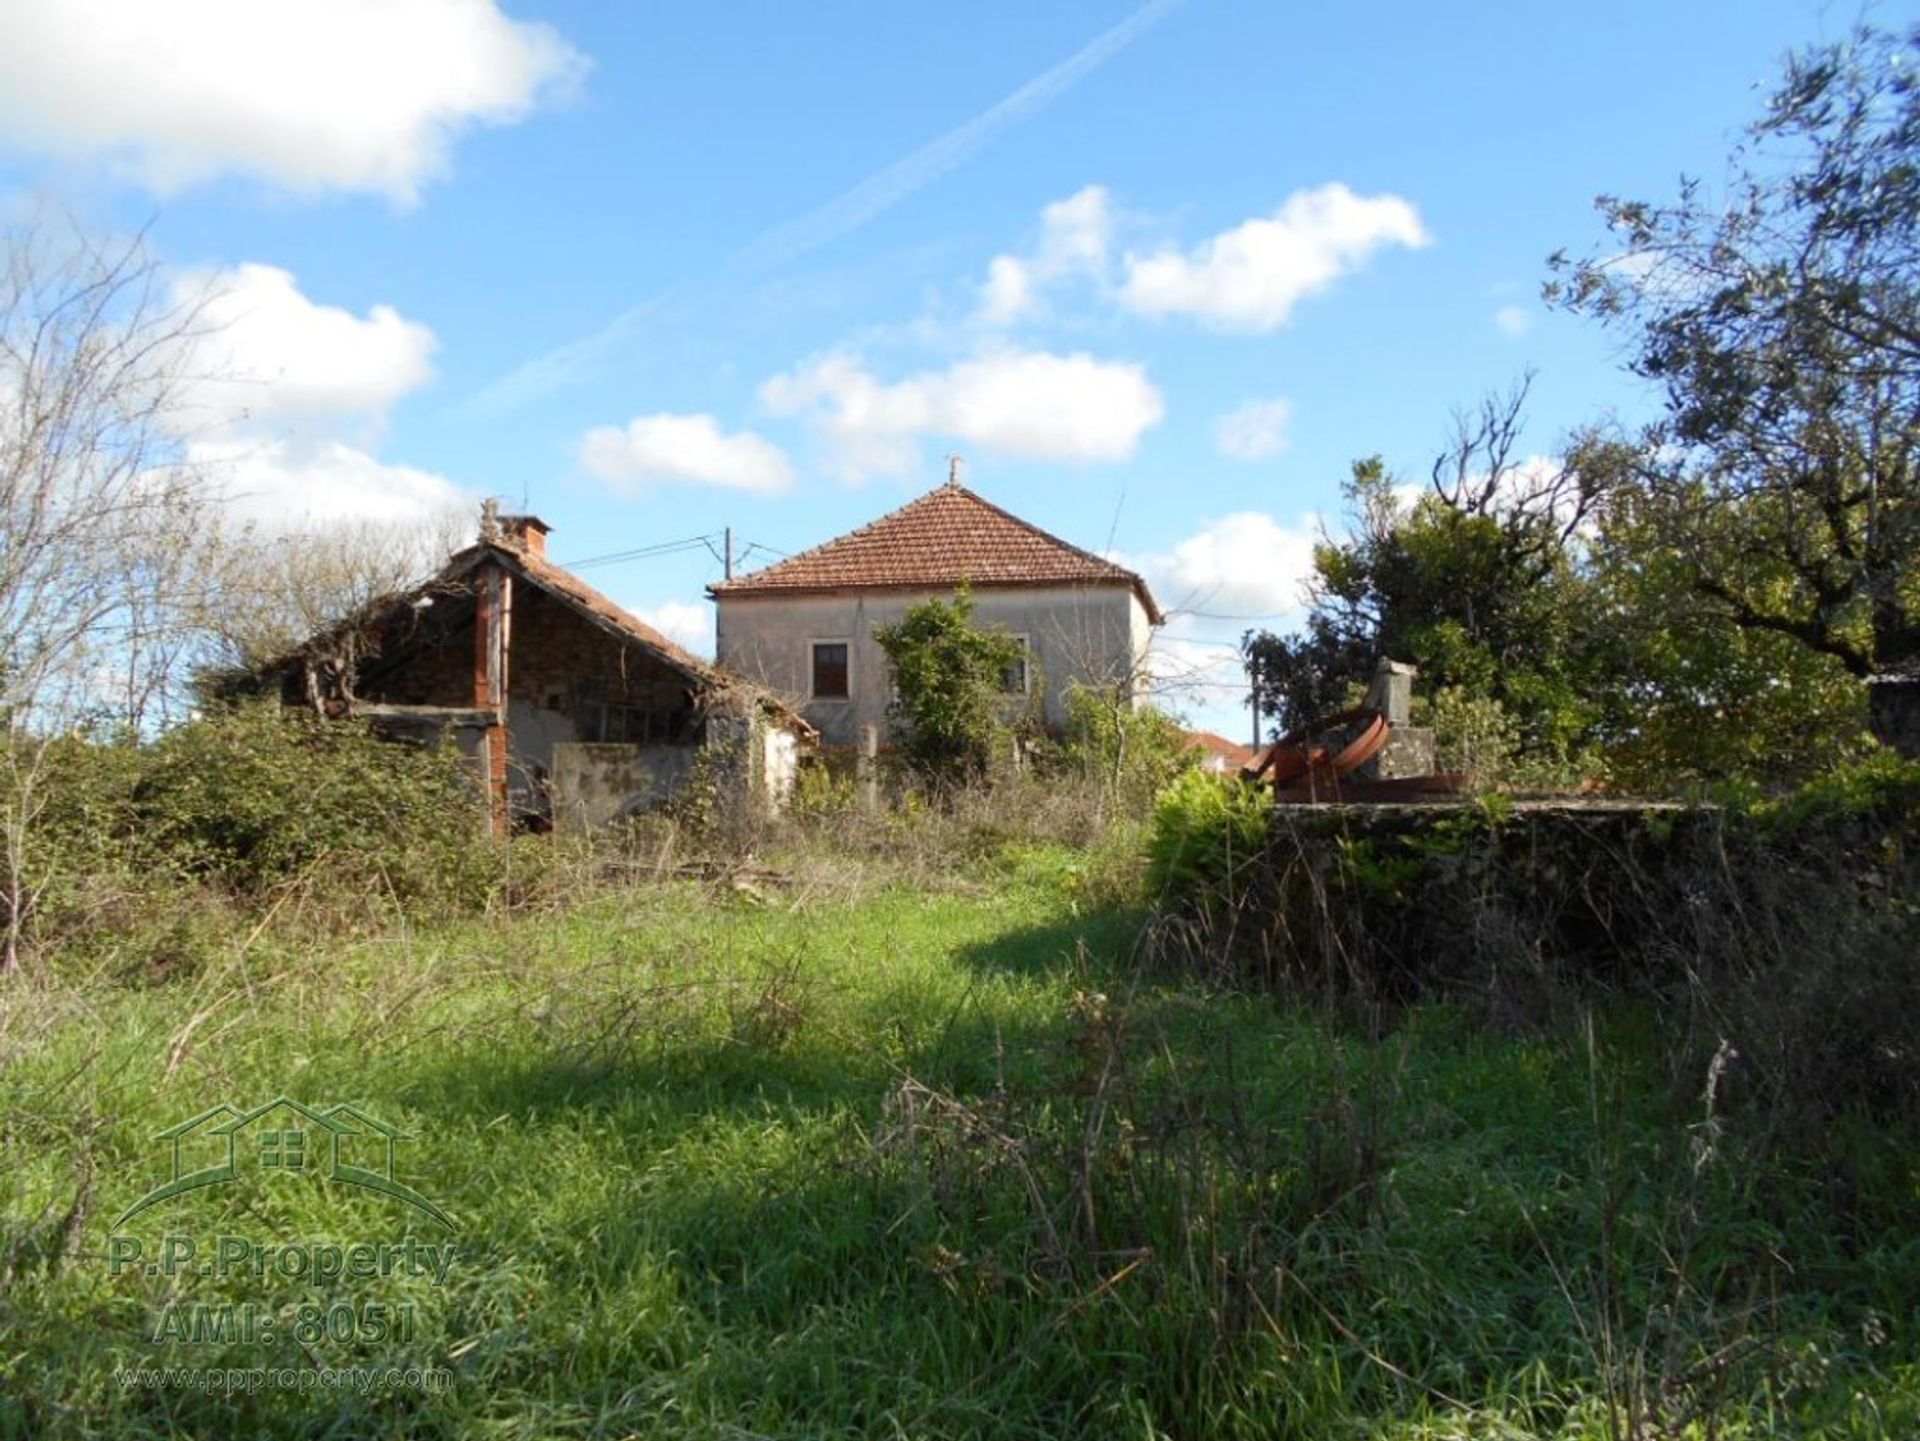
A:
x: 1132, y: 752
x: 255, y: 796
x: 947, y: 674
x: 1205, y: 828
x: 232, y: 808
x: 1478, y: 735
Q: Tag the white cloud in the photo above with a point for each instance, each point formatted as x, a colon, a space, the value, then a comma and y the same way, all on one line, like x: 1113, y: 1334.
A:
x: 1007, y: 293
x: 309, y: 95
x: 1255, y: 430
x: 1028, y: 404
x: 1234, y: 573
x: 1514, y: 321
x: 681, y: 621
x: 1251, y: 277
x: 264, y: 355
x: 285, y: 486
x: 1245, y: 566
x: 283, y: 400
x: 1075, y: 234
x: 685, y: 450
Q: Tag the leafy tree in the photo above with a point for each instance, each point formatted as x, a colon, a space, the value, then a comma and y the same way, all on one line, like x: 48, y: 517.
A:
x: 949, y: 681
x: 1686, y: 694
x: 1782, y: 326
x: 1556, y: 624
x: 1476, y: 580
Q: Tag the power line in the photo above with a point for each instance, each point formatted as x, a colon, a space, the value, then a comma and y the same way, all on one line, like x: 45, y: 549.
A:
x: 665, y: 547
x: 754, y: 545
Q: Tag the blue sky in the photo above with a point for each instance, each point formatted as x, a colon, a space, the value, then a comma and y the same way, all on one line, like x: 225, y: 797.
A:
x: 1159, y: 272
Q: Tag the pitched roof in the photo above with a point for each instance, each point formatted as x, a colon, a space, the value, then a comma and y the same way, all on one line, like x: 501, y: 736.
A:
x: 946, y: 537
x: 597, y: 607
x: 571, y: 591
x: 1233, y: 752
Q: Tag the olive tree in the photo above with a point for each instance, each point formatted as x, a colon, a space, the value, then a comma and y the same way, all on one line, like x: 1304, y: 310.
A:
x: 1780, y: 321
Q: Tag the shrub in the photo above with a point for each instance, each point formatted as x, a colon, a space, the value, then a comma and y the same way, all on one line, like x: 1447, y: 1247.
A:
x: 1480, y: 736
x: 237, y: 805
x: 256, y: 795
x: 1133, y: 752
x: 948, y: 676
x: 820, y: 791
x: 1205, y: 827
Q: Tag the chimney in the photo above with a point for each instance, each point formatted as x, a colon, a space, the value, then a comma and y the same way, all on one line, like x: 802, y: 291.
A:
x: 527, y: 533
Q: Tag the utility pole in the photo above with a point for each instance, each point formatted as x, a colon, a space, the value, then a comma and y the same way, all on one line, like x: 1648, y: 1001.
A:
x: 728, y: 564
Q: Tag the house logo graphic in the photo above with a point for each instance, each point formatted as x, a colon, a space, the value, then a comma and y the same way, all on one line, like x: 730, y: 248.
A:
x: 343, y: 1143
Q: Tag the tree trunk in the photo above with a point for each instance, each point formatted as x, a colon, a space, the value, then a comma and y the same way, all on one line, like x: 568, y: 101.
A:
x: 1893, y: 712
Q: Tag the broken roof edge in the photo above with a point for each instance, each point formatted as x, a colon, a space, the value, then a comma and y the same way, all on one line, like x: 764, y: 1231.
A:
x: 600, y: 610
x: 582, y: 599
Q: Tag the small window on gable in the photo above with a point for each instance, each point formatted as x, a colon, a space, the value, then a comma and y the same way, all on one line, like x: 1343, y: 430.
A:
x: 830, y: 670
x: 1014, y: 679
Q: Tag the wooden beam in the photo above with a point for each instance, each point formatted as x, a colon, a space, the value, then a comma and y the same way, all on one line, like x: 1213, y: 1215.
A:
x: 452, y: 715
x: 493, y: 596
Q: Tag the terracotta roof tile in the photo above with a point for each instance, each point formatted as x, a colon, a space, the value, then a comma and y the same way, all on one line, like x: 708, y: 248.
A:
x: 569, y: 585
x: 946, y: 537
x: 575, y: 591
x: 1233, y: 752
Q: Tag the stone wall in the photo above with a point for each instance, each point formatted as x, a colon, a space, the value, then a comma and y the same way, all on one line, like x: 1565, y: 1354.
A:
x: 1388, y: 902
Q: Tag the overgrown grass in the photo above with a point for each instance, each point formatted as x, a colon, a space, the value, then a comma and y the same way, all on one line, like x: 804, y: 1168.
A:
x: 902, y: 1163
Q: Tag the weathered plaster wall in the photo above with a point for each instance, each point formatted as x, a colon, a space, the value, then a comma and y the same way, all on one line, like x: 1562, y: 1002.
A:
x: 596, y: 784
x: 1095, y: 634
x: 780, y: 766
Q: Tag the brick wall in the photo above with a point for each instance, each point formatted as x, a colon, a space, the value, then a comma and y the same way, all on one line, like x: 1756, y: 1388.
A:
x: 553, y: 652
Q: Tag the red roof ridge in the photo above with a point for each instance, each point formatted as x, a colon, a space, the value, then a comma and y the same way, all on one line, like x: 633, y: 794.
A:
x: 819, y: 568
x: 1047, y: 535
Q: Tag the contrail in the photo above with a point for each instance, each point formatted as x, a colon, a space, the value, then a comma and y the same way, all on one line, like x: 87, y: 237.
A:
x: 844, y: 214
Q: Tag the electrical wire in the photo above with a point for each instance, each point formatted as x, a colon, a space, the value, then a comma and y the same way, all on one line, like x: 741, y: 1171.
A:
x: 665, y: 547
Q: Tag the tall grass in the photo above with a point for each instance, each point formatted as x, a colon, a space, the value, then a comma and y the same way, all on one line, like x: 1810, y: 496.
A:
x: 753, y: 1160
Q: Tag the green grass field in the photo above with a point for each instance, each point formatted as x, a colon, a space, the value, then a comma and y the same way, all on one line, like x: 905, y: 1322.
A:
x: 919, y: 1165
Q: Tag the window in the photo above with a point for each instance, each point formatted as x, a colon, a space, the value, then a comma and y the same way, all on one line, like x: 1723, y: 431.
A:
x: 668, y: 720
x: 830, y: 670
x: 284, y: 1149
x: 1014, y: 679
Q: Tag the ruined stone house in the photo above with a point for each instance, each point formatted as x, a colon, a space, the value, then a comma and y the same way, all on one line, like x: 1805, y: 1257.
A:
x: 575, y: 711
